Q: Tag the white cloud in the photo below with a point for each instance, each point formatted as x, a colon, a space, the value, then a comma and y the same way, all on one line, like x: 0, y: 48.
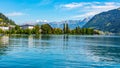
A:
x: 37, y: 20
x: 72, y: 5
x: 90, y: 4
x: 41, y: 20
x: 109, y: 3
x: 77, y: 5
x: 93, y: 8
x: 15, y: 14
x: 105, y: 6
x: 86, y: 14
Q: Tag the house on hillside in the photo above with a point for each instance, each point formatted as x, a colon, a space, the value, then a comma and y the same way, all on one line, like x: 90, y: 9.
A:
x: 27, y: 26
x: 7, y: 27
x: 11, y: 27
x: 4, y: 27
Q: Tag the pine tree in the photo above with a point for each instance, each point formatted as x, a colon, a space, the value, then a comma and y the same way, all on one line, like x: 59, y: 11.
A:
x: 66, y: 29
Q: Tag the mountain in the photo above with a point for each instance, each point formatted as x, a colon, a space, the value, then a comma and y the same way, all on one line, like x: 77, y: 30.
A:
x: 71, y: 23
x: 85, y: 20
x: 106, y: 21
x: 6, y: 20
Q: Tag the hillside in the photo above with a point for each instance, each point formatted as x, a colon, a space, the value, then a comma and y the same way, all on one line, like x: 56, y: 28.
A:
x: 6, y: 20
x: 106, y: 21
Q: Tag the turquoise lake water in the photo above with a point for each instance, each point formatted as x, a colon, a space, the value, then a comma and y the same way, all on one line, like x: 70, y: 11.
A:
x: 59, y: 51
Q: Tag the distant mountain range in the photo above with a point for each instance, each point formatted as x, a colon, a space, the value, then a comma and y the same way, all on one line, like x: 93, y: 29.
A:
x: 106, y: 21
x: 72, y: 23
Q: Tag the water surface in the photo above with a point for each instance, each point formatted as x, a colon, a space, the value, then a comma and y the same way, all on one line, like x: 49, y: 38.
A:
x: 59, y: 51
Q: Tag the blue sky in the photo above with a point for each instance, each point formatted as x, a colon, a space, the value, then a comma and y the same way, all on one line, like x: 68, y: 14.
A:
x: 29, y: 11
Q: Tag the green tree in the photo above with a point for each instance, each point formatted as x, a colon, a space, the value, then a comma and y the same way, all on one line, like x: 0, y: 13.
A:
x: 12, y: 31
x: 57, y: 31
x: 46, y: 29
x: 84, y: 31
x: 89, y: 31
x: 17, y: 27
x: 27, y: 31
x: 78, y: 30
x: 36, y: 30
x: 66, y: 29
x: 73, y: 31
x: 1, y: 31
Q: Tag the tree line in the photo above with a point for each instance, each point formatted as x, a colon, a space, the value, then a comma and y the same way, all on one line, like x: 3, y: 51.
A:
x: 47, y: 29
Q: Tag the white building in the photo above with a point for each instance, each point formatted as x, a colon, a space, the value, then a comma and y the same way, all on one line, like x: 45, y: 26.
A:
x: 27, y: 26
x: 4, y: 27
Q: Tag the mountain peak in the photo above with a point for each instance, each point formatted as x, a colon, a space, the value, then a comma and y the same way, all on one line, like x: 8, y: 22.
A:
x: 86, y: 19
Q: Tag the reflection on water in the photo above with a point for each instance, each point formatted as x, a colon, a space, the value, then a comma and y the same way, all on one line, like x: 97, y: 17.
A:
x: 3, y: 50
x: 59, y: 51
x: 4, y: 40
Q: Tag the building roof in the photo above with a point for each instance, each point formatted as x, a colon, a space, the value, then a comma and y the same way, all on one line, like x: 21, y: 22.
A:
x: 26, y: 25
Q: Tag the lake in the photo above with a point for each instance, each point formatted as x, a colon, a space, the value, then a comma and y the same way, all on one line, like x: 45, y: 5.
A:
x: 59, y: 51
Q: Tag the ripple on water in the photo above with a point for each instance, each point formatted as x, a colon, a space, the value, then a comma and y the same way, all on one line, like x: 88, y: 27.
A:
x: 59, y: 51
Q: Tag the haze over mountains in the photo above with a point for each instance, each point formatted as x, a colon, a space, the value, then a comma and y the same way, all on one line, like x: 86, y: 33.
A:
x: 72, y: 23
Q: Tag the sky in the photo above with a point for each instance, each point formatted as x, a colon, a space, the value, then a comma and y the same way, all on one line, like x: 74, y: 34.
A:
x: 28, y: 11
